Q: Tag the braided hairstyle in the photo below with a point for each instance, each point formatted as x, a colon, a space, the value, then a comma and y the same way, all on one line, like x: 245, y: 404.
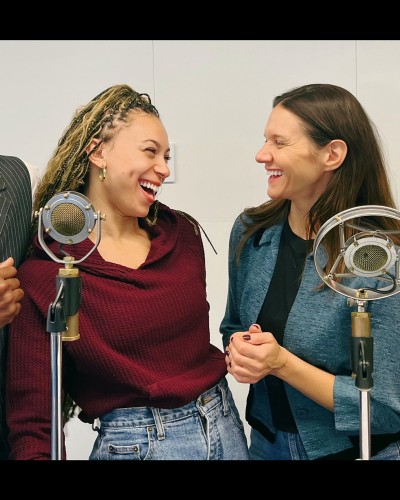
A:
x: 101, y: 118
x: 68, y: 168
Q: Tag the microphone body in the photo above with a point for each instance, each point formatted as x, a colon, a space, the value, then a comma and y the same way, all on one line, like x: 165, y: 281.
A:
x: 72, y: 283
x: 68, y: 218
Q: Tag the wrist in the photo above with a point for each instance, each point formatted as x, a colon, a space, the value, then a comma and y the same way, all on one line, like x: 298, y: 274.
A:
x: 282, y: 364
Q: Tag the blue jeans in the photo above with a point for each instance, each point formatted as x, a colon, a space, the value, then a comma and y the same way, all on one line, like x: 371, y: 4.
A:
x: 208, y: 428
x: 289, y: 446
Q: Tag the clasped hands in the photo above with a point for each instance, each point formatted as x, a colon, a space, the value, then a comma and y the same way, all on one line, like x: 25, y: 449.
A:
x: 252, y: 355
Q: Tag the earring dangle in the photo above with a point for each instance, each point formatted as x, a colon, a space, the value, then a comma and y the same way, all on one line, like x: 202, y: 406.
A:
x: 102, y: 173
x: 153, y: 221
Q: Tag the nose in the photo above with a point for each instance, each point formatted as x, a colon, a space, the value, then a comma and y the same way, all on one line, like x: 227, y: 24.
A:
x: 264, y: 155
x: 162, y: 169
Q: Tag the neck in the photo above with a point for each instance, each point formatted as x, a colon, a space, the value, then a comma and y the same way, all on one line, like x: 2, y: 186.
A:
x: 298, y: 224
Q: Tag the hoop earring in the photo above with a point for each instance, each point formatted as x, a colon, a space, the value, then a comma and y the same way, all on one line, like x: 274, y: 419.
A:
x: 102, y: 173
x: 153, y: 222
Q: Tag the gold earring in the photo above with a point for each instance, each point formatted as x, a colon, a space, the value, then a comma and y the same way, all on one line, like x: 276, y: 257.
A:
x: 102, y: 173
x: 153, y: 222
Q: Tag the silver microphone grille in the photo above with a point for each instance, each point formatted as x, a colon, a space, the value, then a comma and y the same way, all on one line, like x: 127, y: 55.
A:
x: 368, y: 253
x: 370, y: 258
x: 68, y: 219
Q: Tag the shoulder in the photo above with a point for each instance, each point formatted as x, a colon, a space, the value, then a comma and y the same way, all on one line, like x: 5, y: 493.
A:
x: 20, y: 170
x: 12, y: 163
x: 180, y: 216
x: 186, y: 220
x: 239, y: 226
x: 34, y: 176
x: 189, y: 218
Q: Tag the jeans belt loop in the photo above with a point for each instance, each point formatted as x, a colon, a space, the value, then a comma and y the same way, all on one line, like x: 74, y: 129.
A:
x: 159, y: 424
x: 96, y: 425
x: 224, y: 397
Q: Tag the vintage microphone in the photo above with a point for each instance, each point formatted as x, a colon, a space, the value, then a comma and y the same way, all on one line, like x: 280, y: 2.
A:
x: 368, y: 253
x: 68, y: 218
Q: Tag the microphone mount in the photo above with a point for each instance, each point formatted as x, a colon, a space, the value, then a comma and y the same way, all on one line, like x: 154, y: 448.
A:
x: 369, y: 253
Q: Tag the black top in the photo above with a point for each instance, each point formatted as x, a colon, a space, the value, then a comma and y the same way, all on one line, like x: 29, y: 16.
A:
x: 274, y: 313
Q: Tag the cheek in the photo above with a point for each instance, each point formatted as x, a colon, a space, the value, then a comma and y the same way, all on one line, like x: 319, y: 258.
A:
x: 123, y: 174
x: 308, y: 167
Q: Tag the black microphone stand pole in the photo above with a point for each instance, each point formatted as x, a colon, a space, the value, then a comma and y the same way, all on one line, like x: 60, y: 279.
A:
x: 362, y: 367
x: 62, y: 324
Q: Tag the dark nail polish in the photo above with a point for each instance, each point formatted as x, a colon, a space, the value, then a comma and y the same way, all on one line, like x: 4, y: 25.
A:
x: 246, y: 336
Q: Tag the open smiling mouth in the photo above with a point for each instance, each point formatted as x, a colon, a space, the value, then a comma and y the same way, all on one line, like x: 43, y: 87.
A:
x: 150, y: 188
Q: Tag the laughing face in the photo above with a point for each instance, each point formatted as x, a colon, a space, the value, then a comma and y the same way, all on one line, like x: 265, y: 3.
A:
x: 296, y: 169
x: 136, y: 164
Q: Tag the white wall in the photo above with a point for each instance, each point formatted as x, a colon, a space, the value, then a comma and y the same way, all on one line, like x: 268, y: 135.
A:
x: 214, y: 97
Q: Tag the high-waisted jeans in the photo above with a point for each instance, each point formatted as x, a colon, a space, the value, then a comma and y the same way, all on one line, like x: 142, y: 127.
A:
x: 208, y: 428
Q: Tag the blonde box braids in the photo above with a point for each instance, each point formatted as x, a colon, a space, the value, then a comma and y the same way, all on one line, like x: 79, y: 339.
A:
x: 100, y: 119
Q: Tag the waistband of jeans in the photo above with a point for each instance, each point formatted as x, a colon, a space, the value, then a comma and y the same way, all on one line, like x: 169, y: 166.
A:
x: 145, y: 415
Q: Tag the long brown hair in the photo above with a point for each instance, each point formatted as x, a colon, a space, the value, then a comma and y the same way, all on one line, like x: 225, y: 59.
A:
x: 330, y: 112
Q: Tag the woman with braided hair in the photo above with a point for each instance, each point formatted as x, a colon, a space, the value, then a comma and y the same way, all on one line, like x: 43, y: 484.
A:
x: 143, y: 371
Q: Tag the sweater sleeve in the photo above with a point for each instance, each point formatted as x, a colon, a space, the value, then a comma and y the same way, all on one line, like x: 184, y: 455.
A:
x: 29, y: 382
x: 231, y: 321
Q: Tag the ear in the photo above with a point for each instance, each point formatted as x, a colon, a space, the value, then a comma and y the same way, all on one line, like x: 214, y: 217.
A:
x: 335, y: 154
x: 97, y: 156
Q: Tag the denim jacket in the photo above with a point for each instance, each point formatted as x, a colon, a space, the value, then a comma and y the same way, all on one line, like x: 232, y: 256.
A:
x: 319, y: 331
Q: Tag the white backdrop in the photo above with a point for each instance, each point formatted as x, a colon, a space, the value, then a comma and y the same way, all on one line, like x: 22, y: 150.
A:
x: 214, y: 97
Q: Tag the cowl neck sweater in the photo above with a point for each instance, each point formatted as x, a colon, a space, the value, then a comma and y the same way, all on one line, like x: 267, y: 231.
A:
x: 144, y: 333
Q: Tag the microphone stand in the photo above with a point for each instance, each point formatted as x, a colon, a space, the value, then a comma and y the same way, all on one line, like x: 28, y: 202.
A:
x: 355, y: 252
x: 62, y: 324
x: 63, y: 312
x: 362, y: 367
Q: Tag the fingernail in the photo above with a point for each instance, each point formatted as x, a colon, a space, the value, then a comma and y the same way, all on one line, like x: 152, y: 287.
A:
x: 246, y: 336
x: 230, y: 364
x: 227, y: 353
x: 256, y: 325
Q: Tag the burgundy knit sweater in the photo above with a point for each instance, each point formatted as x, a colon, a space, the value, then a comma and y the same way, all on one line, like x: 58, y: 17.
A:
x: 144, y: 335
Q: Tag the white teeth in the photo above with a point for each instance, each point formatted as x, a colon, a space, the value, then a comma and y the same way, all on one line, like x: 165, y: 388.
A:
x: 274, y: 172
x: 151, y: 186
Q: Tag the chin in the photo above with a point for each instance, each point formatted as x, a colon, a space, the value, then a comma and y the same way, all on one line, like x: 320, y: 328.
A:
x: 273, y: 197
